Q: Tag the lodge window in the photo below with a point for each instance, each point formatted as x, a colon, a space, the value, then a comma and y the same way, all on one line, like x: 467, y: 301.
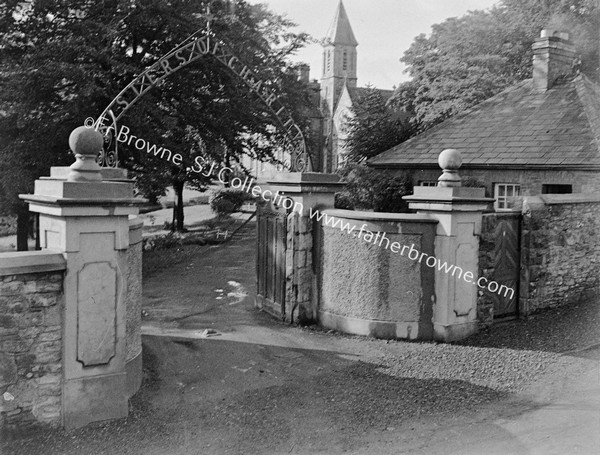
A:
x: 552, y: 188
x: 504, y: 194
x: 428, y: 182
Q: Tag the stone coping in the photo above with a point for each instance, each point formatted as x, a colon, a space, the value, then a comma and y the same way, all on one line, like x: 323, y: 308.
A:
x: 447, y: 199
x: 108, y: 173
x: 135, y: 229
x: 315, y: 178
x: 135, y: 222
x: 305, y: 182
x: 573, y: 198
x: 22, y: 262
x: 381, y: 216
x: 60, y: 201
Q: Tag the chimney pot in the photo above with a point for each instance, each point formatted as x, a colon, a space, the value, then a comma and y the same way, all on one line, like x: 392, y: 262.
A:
x: 303, y: 72
x: 551, y: 33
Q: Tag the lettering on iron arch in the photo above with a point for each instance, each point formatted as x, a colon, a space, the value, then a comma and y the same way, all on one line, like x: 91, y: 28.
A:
x: 185, y: 54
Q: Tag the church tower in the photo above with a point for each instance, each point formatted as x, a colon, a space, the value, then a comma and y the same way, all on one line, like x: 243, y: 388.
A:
x: 339, y: 60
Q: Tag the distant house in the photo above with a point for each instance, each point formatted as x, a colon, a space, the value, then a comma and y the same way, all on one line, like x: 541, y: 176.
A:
x: 537, y: 137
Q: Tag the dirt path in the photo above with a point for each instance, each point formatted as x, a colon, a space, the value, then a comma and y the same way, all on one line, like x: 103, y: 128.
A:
x: 260, y: 387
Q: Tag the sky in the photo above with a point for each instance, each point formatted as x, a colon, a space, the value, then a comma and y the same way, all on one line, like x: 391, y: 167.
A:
x: 384, y: 29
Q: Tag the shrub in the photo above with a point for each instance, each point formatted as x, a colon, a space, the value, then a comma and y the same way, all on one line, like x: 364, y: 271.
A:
x: 473, y: 182
x: 370, y: 189
x: 228, y: 200
x: 161, y: 242
x: 343, y: 201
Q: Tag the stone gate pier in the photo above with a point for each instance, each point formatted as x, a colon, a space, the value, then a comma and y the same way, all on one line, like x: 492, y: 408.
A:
x: 71, y: 334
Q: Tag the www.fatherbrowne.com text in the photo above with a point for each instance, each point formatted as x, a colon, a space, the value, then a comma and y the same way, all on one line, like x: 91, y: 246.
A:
x: 201, y: 166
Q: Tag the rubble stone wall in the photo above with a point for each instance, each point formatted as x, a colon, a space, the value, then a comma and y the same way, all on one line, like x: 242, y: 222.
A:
x: 560, y: 256
x: 31, y: 311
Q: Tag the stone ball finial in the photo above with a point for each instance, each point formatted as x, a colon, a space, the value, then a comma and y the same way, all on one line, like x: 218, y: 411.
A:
x: 85, y: 143
x: 450, y: 161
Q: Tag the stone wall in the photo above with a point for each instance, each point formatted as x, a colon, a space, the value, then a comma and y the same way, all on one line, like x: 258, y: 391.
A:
x: 299, y: 270
x: 560, y: 244
x: 31, y: 305
x: 485, y: 301
x: 367, y: 288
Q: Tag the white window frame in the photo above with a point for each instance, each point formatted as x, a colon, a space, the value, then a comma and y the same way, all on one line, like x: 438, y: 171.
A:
x: 428, y: 183
x: 504, y: 193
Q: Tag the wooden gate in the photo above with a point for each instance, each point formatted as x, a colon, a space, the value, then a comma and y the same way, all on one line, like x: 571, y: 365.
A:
x: 270, y: 259
x: 507, y: 255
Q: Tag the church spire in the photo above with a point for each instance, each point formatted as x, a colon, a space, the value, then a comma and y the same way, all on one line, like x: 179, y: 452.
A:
x: 340, y: 31
x: 339, y: 59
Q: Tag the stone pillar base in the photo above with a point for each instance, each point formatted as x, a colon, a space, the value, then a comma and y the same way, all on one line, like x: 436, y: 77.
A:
x: 134, y: 371
x: 386, y: 330
x: 94, y: 399
x: 454, y: 332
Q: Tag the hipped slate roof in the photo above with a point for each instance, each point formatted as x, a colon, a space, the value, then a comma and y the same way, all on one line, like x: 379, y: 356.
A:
x: 340, y: 31
x: 518, y: 128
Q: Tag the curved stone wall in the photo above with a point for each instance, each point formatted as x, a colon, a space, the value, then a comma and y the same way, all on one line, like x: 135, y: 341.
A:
x: 134, y: 307
x: 369, y: 285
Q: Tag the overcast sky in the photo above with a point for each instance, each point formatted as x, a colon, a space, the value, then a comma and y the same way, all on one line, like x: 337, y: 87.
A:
x: 384, y: 29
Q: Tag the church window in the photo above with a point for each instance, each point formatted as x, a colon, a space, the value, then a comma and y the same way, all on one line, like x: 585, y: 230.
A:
x: 328, y: 61
x: 345, y: 61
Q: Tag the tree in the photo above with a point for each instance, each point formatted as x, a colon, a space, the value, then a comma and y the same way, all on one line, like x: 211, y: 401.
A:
x: 218, y: 118
x: 373, y: 127
x: 64, y: 60
x: 469, y: 59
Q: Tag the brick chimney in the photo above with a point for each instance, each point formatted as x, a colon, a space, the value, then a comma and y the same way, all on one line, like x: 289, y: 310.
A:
x: 303, y: 72
x: 553, y: 56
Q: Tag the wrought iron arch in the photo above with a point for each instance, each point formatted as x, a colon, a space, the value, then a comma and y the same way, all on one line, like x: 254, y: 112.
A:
x: 190, y: 50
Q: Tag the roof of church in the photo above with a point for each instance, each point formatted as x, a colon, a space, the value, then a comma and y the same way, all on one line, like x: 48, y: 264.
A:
x: 357, y: 92
x: 340, y: 31
x: 517, y: 128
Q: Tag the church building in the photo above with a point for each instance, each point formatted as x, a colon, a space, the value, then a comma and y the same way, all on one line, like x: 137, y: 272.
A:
x: 338, y: 88
x: 333, y: 98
